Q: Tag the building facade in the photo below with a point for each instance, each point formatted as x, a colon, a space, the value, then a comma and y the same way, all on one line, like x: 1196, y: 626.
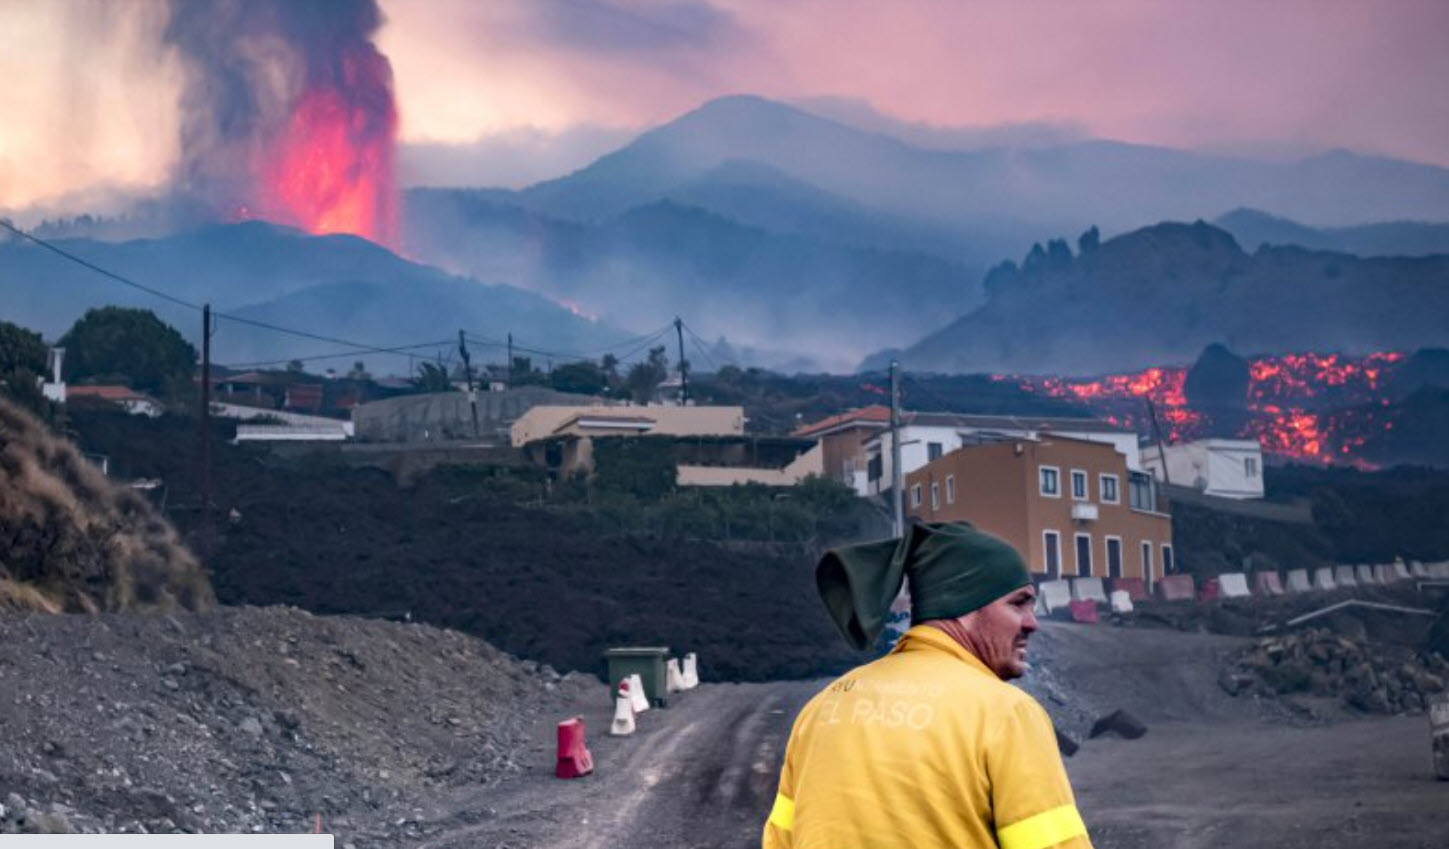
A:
x: 1227, y: 468
x: 1073, y: 507
x: 843, y: 444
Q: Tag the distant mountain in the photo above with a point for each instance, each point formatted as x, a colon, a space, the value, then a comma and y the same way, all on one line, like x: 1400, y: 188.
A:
x: 1061, y: 188
x: 801, y: 295
x: 334, y: 286
x: 1253, y: 229
x: 1163, y: 293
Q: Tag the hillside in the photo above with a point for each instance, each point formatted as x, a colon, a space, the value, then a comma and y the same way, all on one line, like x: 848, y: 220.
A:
x: 1162, y: 294
x: 1253, y: 229
x: 76, y: 541
x: 801, y: 294
x: 336, y: 286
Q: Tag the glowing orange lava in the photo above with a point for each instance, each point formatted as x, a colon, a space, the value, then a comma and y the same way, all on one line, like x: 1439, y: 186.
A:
x: 331, y: 168
x: 1290, y: 405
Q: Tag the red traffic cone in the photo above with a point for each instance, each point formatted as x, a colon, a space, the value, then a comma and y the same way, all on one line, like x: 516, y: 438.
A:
x: 574, y: 760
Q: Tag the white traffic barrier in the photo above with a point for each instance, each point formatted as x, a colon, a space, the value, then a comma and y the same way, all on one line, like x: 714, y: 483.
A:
x: 637, y: 697
x: 1233, y: 585
x: 1121, y: 601
x: 623, y: 724
x: 1365, y: 574
x: 1417, y: 570
x: 1401, y: 571
x: 1384, y: 573
x: 1056, y: 595
x: 1297, y: 581
x: 1323, y: 578
x: 1439, y: 570
x: 691, y: 671
x: 673, y: 677
x: 1343, y: 576
x: 1089, y: 589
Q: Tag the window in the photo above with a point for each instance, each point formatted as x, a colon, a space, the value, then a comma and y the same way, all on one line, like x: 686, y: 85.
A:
x: 1147, y: 560
x: 1166, y: 559
x: 1051, y: 484
x: 1109, y: 490
x: 873, y: 470
x: 933, y: 451
x: 1084, y: 555
x: 1114, y: 557
x: 1079, y: 485
x: 1141, y: 492
x: 1250, y: 467
x: 935, y: 496
x: 916, y: 495
x: 1052, y: 553
x: 950, y: 489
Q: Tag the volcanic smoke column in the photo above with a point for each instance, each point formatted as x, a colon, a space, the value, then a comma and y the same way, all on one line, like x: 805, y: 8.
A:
x: 288, y: 113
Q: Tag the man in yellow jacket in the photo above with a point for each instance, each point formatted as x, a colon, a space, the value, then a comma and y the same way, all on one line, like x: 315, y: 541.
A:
x: 928, y: 747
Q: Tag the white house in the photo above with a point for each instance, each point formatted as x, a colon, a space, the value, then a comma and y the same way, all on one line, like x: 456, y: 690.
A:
x: 928, y: 436
x: 1229, y: 468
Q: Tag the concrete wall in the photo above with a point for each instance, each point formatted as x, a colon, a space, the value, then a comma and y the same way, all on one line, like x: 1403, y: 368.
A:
x: 444, y: 416
x: 803, y: 466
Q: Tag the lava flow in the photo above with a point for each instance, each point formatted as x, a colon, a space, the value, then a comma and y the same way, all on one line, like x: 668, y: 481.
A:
x: 1308, y: 407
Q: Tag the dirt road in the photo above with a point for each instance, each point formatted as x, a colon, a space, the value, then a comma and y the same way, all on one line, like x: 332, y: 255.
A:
x: 1211, y: 772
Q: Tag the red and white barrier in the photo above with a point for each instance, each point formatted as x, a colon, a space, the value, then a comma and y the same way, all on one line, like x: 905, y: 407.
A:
x: 673, y: 677
x: 691, y: 671
x: 574, y: 760
x: 623, y: 724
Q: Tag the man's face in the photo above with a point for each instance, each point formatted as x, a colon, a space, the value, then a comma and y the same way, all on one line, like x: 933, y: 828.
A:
x: 998, y: 632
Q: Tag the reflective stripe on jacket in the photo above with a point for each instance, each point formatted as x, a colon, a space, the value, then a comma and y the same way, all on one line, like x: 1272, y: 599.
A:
x: 925, y: 748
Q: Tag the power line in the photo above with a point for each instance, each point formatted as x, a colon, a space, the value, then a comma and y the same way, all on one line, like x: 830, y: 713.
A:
x: 399, y: 349
x: 362, y: 348
x: 700, y: 346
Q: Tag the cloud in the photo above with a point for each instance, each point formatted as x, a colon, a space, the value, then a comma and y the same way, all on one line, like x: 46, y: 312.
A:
x: 511, y: 158
x: 645, y: 28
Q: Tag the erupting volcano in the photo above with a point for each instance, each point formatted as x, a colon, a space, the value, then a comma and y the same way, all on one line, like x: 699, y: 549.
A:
x: 1306, y: 407
x: 289, y: 114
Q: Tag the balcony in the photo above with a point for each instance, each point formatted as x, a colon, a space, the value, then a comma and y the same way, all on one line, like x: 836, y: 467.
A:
x: 1084, y: 512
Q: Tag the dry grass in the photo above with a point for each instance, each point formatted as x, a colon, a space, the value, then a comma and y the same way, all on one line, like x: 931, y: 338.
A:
x: 72, y: 540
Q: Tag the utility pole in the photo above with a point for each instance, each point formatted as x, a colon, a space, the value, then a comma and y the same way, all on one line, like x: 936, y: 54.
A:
x: 897, y: 497
x: 1157, y: 435
x: 468, y: 375
x: 683, y: 365
x: 204, y: 432
x: 510, y: 360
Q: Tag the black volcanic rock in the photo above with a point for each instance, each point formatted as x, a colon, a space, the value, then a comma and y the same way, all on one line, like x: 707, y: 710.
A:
x: 1424, y: 367
x: 1217, y: 384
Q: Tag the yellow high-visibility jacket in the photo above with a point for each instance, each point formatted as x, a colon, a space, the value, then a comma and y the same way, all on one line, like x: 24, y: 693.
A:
x: 924, y: 748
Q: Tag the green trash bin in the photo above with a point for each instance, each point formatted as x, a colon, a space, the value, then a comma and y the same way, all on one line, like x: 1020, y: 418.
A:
x: 648, y: 661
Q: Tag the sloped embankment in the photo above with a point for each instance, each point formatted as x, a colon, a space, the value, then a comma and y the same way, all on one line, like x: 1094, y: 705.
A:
x: 256, y: 719
x: 71, y: 540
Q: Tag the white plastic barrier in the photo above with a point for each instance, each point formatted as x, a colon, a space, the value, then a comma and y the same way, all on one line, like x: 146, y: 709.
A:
x: 1121, y: 601
x: 1344, y: 577
x: 691, y: 671
x: 1089, y: 589
x: 1365, y: 574
x: 1233, y: 585
x: 1297, y: 581
x: 1384, y: 573
x: 1323, y: 578
x: 1439, y: 570
x: 1417, y: 570
x: 623, y: 724
x: 1401, y: 571
x: 673, y: 676
x: 637, y: 698
x: 1056, y: 595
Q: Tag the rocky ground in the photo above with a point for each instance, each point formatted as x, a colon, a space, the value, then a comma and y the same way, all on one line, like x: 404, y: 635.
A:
x: 256, y: 720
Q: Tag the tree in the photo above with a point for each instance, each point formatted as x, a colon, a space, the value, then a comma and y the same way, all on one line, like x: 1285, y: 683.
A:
x: 645, y: 377
x: 128, y: 345
x: 23, y: 358
x: 294, y: 366
x: 1089, y: 241
x: 583, y: 377
x: 359, y: 371
x: 432, y: 377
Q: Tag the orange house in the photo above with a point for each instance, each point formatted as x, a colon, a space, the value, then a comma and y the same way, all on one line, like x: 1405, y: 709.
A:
x: 1071, y: 507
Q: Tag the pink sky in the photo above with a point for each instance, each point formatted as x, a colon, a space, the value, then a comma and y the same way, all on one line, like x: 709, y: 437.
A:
x: 1224, y: 74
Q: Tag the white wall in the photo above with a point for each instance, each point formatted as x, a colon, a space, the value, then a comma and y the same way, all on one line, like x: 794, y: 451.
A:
x: 1215, y: 466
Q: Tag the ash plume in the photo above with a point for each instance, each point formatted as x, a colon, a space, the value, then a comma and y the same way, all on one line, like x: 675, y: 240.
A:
x: 287, y: 113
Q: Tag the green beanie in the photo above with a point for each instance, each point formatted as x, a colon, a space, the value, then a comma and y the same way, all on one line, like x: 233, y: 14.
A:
x: 952, y: 568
